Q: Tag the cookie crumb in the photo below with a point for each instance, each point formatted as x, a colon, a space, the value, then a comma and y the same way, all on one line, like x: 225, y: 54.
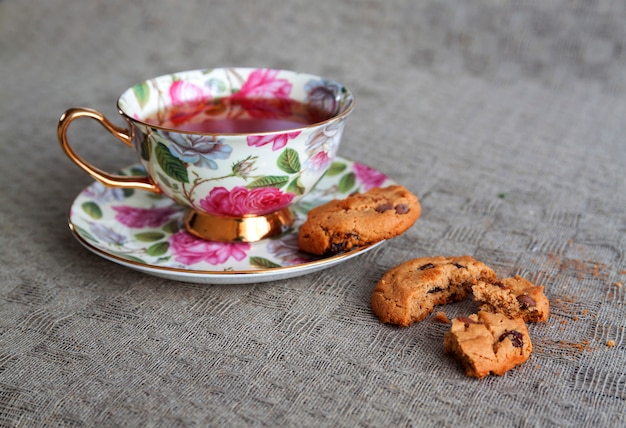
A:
x: 610, y: 343
x: 619, y: 284
x: 441, y: 317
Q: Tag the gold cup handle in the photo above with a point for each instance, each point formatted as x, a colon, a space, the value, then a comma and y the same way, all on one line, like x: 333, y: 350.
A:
x: 112, y: 180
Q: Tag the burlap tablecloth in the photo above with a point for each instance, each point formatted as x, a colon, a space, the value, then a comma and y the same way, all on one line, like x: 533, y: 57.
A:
x: 506, y: 118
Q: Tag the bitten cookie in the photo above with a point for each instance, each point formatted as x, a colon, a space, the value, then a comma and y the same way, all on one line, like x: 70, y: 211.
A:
x: 488, y: 343
x: 514, y: 297
x: 408, y: 292
x: 360, y: 219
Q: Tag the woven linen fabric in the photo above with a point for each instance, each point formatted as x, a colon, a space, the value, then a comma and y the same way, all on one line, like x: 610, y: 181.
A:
x: 506, y: 118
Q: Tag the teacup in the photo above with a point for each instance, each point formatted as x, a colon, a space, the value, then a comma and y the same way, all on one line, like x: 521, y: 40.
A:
x: 236, y: 146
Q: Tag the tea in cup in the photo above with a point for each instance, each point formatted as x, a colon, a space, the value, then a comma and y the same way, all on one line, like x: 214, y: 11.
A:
x: 236, y: 146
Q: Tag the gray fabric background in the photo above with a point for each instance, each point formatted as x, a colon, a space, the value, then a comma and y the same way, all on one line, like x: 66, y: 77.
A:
x: 506, y: 118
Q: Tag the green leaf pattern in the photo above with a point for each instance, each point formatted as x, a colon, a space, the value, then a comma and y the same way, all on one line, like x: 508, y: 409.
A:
x: 289, y: 161
x: 336, y: 168
x: 269, y: 181
x: 347, y: 182
x: 158, y: 249
x: 295, y: 186
x: 92, y: 210
x: 262, y: 262
x: 146, y: 148
x: 142, y: 93
x: 171, y: 165
x: 149, y: 236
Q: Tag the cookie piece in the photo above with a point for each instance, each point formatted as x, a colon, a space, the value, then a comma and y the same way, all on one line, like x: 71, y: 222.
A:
x: 514, y: 297
x: 408, y: 292
x: 488, y: 343
x: 360, y: 219
x: 441, y: 317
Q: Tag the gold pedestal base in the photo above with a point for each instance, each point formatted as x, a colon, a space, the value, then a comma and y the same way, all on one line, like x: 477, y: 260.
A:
x: 238, y: 229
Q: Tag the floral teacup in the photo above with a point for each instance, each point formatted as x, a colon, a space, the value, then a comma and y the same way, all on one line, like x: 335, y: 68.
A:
x: 237, y: 146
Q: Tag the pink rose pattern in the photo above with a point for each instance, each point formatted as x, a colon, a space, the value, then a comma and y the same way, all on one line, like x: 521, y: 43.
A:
x: 184, y: 92
x: 319, y: 160
x: 278, y: 141
x: 368, y: 177
x: 189, y: 250
x: 263, y: 83
x: 322, y: 146
x: 264, y: 95
x: 241, y: 200
x: 144, y: 217
x: 187, y: 100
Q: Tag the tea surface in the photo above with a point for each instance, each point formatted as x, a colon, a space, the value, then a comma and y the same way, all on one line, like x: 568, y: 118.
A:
x: 238, y: 116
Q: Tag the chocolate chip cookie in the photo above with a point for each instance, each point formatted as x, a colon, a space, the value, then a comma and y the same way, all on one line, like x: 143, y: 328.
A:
x: 488, y: 343
x: 514, y: 297
x: 408, y: 292
x: 359, y: 220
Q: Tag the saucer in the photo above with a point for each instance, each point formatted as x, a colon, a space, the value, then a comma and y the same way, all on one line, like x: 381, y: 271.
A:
x: 144, y: 231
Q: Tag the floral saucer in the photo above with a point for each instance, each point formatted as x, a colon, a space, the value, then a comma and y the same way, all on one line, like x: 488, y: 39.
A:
x: 143, y: 231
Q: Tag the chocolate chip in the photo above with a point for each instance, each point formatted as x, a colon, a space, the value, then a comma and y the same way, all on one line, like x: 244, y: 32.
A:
x: 342, y: 243
x: 515, y: 337
x: 402, y: 209
x: 337, y: 247
x: 467, y: 321
x: 384, y: 207
x: 459, y: 266
x: 426, y: 266
x: 435, y: 290
x: 525, y: 301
